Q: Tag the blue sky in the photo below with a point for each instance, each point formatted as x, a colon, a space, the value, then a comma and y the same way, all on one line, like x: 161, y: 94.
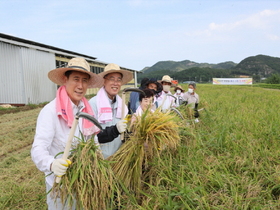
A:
x: 139, y: 33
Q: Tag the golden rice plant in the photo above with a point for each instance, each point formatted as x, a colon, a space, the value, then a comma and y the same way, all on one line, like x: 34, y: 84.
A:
x: 153, y: 133
x: 89, y: 182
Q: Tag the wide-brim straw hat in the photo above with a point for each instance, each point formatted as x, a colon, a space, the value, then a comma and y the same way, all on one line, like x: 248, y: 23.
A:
x: 165, y: 78
x: 179, y: 87
x: 76, y: 64
x: 114, y: 68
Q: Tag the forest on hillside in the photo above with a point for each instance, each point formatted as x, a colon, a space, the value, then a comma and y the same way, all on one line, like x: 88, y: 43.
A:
x: 258, y: 67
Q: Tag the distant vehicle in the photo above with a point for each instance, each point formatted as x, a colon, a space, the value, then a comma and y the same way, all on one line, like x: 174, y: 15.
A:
x: 189, y: 82
x: 175, y: 82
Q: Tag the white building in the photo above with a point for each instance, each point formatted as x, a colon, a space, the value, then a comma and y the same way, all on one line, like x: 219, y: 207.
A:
x: 24, y: 66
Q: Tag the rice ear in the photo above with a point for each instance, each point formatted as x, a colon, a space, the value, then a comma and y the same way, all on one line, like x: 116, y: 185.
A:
x: 89, y: 180
x: 153, y: 133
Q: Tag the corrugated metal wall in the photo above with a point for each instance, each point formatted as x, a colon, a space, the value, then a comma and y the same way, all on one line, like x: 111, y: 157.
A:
x: 24, y: 77
x: 36, y: 65
x: 10, y: 71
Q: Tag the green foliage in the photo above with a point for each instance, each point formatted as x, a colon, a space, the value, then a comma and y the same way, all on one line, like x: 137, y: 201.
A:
x: 270, y: 86
x: 254, y: 66
x: 273, y: 79
x: 175, y: 66
x: 192, y: 74
x: 260, y: 65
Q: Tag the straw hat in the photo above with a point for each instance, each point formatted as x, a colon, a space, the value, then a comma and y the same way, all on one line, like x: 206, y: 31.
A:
x: 114, y: 68
x: 179, y: 87
x: 75, y: 64
x: 165, y: 78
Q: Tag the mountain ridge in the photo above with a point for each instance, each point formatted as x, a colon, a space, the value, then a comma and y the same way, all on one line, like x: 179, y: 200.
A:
x: 186, y: 64
x: 253, y: 65
x: 259, y: 66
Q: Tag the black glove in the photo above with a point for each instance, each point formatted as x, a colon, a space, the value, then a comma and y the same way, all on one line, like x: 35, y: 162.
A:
x: 185, y: 103
x: 196, y: 114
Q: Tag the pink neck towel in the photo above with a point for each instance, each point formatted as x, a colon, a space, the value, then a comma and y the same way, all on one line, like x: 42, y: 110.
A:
x: 104, y: 107
x: 64, y: 109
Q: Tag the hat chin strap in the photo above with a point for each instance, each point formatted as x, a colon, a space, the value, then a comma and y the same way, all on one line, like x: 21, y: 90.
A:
x: 77, y: 67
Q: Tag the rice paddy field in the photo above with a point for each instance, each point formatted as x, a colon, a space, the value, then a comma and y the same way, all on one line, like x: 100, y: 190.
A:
x: 229, y: 160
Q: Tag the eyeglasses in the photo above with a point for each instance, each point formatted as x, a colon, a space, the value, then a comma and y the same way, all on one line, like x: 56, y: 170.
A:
x: 113, y: 80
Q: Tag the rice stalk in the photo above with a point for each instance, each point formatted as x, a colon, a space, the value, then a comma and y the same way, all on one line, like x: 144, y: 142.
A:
x: 89, y: 182
x: 153, y: 133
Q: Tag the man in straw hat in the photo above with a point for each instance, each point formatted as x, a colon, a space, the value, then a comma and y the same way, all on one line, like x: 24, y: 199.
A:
x: 165, y: 100
x: 107, y: 106
x: 179, y: 92
x: 55, y: 120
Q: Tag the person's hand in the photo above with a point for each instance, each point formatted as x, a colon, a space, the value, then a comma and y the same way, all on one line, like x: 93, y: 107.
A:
x: 59, y: 166
x: 121, y: 125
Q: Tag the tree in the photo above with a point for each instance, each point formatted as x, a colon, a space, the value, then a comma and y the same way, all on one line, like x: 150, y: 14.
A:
x: 273, y: 79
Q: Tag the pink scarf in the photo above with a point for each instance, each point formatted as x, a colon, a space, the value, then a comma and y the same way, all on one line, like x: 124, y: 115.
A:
x: 64, y: 109
x: 105, y: 109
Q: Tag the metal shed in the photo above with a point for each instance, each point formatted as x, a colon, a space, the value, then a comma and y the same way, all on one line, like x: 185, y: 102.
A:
x: 24, y: 68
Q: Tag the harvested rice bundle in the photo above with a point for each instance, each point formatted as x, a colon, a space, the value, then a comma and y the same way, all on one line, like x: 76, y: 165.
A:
x: 89, y: 182
x: 153, y: 133
x: 186, y: 111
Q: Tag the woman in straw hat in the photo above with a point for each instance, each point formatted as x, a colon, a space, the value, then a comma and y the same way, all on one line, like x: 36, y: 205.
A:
x: 179, y: 92
x: 108, y: 107
x: 55, y: 120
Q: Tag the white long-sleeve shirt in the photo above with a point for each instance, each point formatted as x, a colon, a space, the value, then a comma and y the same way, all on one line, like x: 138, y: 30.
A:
x: 51, y: 137
x: 179, y: 97
x: 165, y: 102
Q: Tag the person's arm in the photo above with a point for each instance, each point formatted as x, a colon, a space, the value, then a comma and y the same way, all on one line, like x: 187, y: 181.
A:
x: 111, y: 132
x: 108, y: 134
x: 45, y: 130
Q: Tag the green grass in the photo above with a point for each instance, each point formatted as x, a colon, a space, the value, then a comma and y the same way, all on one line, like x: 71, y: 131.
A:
x: 229, y: 160
x: 271, y: 86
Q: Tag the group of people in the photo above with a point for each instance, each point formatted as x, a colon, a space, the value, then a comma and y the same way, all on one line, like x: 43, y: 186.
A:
x: 160, y: 96
x: 55, y: 119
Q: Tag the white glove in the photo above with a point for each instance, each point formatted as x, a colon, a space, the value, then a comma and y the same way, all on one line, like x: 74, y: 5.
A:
x: 59, y: 166
x: 121, y: 125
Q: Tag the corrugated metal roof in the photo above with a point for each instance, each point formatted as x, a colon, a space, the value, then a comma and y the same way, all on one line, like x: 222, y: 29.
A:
x: 29, y: 43
x: 43, y: 47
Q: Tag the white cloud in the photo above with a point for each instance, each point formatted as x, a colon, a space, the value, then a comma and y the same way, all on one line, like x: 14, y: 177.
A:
x: 273, y: 37
x: 263, y: 24
x: 261, y: 20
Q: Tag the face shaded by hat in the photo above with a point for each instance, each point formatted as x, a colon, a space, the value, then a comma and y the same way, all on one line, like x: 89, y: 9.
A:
x: 114, y: 68
x: 179, y: 87
x: 166, y: 79
x: 75, y: 64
